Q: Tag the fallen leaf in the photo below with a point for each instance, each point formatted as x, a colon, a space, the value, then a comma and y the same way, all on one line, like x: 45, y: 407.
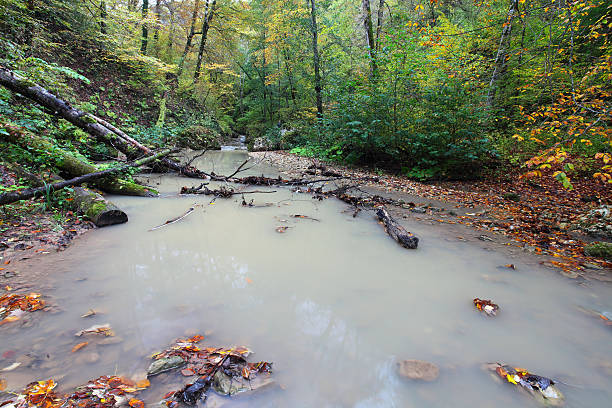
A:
x: 486, y: 306
x: 511, y: 266
x: 2, y: 384
x: 248, y: 280
x: 11, y: 367
x: 90, y: 312
x: 143, y: 383
x: 187, y: 372
x: 281, y: 229
x: 104, y: 329
x: 79, y: 346
x: 136, y: 403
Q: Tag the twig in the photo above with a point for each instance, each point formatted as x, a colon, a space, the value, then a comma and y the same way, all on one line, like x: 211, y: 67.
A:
x: 177, y: 219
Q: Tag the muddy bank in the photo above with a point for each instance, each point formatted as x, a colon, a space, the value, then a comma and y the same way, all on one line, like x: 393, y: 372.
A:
x: 542, y: 218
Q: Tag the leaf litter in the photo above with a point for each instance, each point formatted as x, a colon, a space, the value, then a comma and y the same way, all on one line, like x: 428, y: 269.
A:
x: 541, y: 388
x: 13, y: 306
x: 486, y: 306
x: 225, y: 370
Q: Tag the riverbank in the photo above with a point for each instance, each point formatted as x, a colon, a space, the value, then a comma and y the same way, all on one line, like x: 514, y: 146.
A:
x: 538, y: 217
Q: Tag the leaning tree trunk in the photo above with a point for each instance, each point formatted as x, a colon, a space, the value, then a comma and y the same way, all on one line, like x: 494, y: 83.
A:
x: 71, y: 166
x: 91, y: 124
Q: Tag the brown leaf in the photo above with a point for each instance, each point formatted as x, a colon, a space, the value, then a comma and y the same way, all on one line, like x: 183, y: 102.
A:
x: 187, y: 372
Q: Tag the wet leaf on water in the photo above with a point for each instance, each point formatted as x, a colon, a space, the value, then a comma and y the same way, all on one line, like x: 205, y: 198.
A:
x: 136, y: 403
x: 79, y: 346
x: 539, y: 387
x: 281, y: 229
x: 143, y: 383
x: 306, y: 217
x: 13, y: 306
x: 104, y: 329
x: 487, y: 306
x: 510, y: 266
x: 2, y: 384
x: 187, y: 372
x: 89, y: 313
x: 11, y: 367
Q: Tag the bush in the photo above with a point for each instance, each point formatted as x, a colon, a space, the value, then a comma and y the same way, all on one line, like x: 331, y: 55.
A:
x: 198, y: 137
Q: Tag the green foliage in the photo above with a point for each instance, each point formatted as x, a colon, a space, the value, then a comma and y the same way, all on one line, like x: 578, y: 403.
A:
x: 601, y: 250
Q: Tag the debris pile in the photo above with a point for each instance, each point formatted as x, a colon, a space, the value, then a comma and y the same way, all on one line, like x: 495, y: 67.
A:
x: 539, y: 387
x: 13, y: 306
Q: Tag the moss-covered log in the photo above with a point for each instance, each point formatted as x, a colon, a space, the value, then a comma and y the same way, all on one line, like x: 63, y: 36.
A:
x: 26, y: 194
x: 71, y: 166
x: 96, y: 208
x: 101, y: 130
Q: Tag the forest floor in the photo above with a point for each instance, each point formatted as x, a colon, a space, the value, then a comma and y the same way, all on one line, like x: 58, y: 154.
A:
x: 538, y: 217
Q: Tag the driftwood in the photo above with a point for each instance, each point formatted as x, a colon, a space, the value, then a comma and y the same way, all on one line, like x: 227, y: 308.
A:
x: 28, y: 193
x: 71, y: 166
x: 176, y: 219
x: 396, y: 231
x: 223, y: 192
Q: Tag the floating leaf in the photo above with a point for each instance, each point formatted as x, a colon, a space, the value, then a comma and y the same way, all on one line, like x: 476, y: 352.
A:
x: 486, y: 306
x: 79, y: 346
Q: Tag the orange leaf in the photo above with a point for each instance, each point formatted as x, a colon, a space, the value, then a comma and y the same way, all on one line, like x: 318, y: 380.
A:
x: 79, y: 346
x: 136, y: 403
x: 143, y: 383
x: 187, y: 372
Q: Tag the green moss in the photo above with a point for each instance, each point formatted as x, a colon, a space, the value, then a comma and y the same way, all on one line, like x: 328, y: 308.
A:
x: 602, y: 250
x: 95, y: 209
x: 511, y: 197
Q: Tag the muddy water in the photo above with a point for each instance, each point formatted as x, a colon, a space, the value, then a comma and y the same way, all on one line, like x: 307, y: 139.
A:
x: 333, y: 303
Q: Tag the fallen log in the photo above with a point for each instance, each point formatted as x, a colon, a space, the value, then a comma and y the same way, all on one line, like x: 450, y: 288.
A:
x: 89, y: 203
x: 71, y: 166
x: 97, y: 209
x: 396, y: 231
x: 88, y: 122
x: 25, y: 194
x: 222, y: 191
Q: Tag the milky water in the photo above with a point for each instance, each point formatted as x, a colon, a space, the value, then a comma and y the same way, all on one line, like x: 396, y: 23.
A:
x: 334, y: 304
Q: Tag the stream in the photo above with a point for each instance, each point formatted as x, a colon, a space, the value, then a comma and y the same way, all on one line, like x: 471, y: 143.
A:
x: 333, y: 303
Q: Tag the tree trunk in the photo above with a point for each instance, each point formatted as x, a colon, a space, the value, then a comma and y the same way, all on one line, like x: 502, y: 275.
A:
x: 103, y: 16
x: 379, y: 19
x: 369, y: 34
x: 89, y: 203
x: 501, y: 59
x: 98, y: 128
x: 145, y: 31
x: 194, y: 17
x: 396, y: 231
x: 71, y: 166
x: 157, y: 23
x: 315, y: 54
x: 28, y: 193
x: 96, y: 208
x: 208, y: 15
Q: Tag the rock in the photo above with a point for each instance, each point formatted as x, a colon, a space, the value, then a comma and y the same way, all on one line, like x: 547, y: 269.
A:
x: 226, y: 385
x: 602, y: 250
x: 418, y: 210
x: 109, y: 340
x: 89, y: 358
x: 261, y: 144
x: 418, y: 370
x: 164, y: 364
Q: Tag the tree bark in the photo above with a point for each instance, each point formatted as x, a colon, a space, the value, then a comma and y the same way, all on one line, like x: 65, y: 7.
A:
x: 501, y: 59
x: 28, y: 193
x: 96, y: 208
x: 145, y: 30
x: 208, y: 16
x: 157, y: 23
x: 71, y: 166
x: 396, y: 231
x: 190, y: 35
x: 103, y: 16
x: 369, y: 34
x: 316, y: 60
